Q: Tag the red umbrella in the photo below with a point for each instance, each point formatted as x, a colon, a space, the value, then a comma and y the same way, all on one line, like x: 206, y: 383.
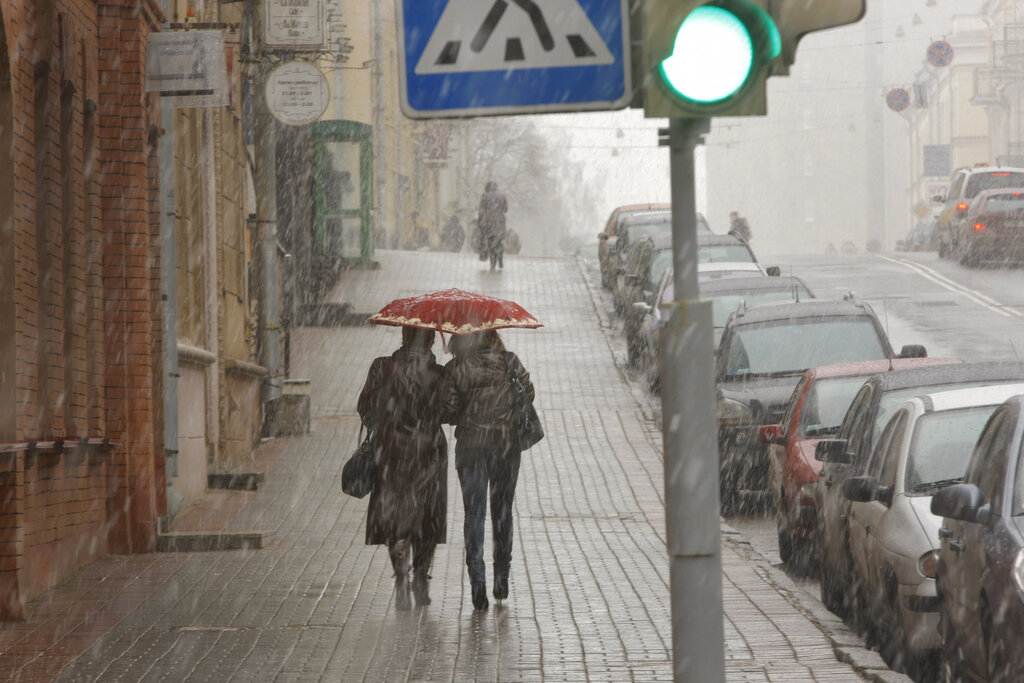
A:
x: 454, y: 311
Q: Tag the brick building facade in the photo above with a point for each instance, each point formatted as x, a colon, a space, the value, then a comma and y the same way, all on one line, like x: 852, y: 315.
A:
x: 82, y: 469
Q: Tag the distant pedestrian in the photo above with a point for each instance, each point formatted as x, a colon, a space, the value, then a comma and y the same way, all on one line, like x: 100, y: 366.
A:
x: 739, y: 227
x: 491, y: 219
x: 453, y: 236
x: 512, y: 243
x: 476, y: 397
x: 409, y: 501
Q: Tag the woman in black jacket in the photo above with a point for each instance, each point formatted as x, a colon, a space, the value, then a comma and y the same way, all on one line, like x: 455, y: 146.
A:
x: 409, y: 501
x: 477, y: 399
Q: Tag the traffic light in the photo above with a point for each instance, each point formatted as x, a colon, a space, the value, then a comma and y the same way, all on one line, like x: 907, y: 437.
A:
x: 707, y: 58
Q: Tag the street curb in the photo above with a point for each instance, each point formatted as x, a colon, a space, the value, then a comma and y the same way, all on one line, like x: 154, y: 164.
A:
x: 846, y: 645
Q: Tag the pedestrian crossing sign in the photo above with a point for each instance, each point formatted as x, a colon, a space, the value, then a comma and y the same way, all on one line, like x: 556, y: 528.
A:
x: 484, y: 57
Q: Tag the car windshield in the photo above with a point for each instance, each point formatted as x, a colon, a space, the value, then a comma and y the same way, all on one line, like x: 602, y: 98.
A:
x: 639, y: 231
x: 1010, y: 202
x: 992, y: 180
x: 941, y: 446
x: 723, y: 305
x: 792, y: 346
x: 892, y: 400
x: 724, y: 252
x: 826, y: 404
x: 661, y: 262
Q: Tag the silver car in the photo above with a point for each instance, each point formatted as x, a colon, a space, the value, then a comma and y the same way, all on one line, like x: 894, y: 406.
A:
x: 924, y: 447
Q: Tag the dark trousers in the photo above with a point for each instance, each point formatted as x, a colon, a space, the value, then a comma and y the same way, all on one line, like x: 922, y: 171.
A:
x: 498, y: 476
x: 422, y: 556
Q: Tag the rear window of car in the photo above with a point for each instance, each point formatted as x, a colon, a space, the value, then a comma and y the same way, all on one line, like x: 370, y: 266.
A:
x: 1010, y: 202
x: 792, y: 346
x: 723, y: 305
x: 942, y: 445
x: 724, y: 252
x: 826, y: 404
x: 992, y: 180
x: 892, y: 400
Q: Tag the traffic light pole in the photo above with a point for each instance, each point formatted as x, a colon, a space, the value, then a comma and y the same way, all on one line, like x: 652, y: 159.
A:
x: 689, y: 427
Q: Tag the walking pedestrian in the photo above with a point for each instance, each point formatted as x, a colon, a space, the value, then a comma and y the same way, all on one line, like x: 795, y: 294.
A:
x: 476, y: 397
x: 491, y: 219
x: 408, y: 504
x: 453, y: 235
x: 739, y: 227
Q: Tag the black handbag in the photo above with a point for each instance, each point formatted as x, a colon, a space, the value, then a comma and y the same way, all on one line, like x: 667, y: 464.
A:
x: 527, y: 429
x: 360, y: 472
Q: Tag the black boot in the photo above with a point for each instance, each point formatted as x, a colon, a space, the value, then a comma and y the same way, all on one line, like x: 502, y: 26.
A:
x: 402, y: 601
x: 500, y: 587
x: 479, y: 595
x: 421, y: 589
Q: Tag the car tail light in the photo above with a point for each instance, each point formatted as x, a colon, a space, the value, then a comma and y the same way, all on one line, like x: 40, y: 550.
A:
x: 928, y: 563
x: 962, y: 206
x: 1001, y: 175
x: 979, y: 226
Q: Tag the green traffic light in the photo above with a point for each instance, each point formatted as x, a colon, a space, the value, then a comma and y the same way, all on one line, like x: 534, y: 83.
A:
x: 717, y: 49
x: 712, y: 57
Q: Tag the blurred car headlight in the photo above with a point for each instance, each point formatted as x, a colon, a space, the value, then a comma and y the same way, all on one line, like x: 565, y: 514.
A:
x: 1018, y: 572
x: 928, y: 564
x: 732, y: 412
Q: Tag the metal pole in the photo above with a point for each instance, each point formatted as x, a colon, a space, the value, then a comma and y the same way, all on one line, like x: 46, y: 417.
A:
x: 169, y: 283
x: 266, y: 219
x: 689, y: 427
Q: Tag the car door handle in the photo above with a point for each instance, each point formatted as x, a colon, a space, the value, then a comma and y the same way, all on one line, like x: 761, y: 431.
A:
x: 956, y: 546
x: 945, y: 532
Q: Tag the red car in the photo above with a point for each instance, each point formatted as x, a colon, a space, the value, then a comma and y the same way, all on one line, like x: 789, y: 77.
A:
x: 815, y: 412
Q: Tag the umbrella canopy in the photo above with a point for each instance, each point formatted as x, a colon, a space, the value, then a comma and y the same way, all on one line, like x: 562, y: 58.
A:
x: 454, y: 311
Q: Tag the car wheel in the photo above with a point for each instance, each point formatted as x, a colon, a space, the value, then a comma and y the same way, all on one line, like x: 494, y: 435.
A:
x: 785, y: 539
x: 831, y: 594
x: 995, y: 654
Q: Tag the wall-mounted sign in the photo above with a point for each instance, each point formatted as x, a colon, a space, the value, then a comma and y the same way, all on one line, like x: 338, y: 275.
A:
x: 187, y: 68
x: 297, y: 93
x: 294, y: 24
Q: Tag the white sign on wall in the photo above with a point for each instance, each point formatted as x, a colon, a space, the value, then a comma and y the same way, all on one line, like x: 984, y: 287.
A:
x: 297, y: 93
x: 294, y: 24
x: 187, y: 68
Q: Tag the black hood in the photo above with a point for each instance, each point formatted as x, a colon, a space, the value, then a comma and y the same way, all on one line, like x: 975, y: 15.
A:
x: 767, y: 397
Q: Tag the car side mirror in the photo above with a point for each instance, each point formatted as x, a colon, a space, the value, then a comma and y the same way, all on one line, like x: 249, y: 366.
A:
x: 860, y: 489
x: 913, y: 351
x: 770, y: 434
x: 602, y: 236
x: 832, y: 450
x: 773, y: 271
x: 960, y: 501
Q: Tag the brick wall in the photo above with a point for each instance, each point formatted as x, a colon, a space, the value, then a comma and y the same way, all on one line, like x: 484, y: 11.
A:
x: 82, y: 330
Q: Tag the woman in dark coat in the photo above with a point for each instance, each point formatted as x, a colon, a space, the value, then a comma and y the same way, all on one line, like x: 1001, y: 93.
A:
x: 408, y: 504
x: 477, y: 399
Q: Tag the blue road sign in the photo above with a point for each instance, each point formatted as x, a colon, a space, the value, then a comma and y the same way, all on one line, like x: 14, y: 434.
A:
x: 897, y: 99
x: 481, y: 57
x: 940, y: 53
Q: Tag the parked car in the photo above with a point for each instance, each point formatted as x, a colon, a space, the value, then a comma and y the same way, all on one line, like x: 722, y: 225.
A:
x: 647, y: 260
x: 631, y: 229
x: 608, y: 237
x: 924, y: 448
x: 990, y: 232
x: 981, y: 556
x: 814, y: 412
x: 725, y: 295
x: 964, y: 186
x: 846, y: 456
x: 763, y: 353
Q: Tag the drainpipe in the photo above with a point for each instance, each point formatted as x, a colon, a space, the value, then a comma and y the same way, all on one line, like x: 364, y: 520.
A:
x: 169, y: 284
x: 211, y: 304
x: 265, y: 181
